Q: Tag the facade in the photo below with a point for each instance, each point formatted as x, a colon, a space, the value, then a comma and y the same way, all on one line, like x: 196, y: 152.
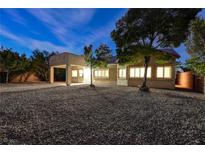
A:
x: 159, y: 76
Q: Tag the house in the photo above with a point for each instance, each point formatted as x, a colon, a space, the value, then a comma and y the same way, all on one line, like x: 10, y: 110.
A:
x: 159, y: 76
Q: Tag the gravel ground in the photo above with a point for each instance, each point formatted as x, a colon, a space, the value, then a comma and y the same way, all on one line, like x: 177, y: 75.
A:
x: 104, y: 115
x: 15, y: 87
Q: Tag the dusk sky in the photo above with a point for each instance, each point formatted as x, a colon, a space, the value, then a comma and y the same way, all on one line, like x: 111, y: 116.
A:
x: 60, y: 29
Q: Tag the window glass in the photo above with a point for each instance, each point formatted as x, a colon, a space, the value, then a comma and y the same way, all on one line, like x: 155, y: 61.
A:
x: 74, y: 73
x: 160, y: 72
x: 101, y: 73
x: 149, y: 72
x: 132, y: 72
x: 122, y: 73
x: 106, y: 73
x: 167, y: 72
x: 142, y: 72
x: 96, y: 73
x: 138, y: 72
x: 80, y: 73
x: 164, y: 72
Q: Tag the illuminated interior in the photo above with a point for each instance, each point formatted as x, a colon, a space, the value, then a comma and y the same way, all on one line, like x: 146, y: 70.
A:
x: 86, y: 71
x: 74, y: 73
x: 102, y: 73
x: 164, y: 72
x: 138, y: 72
x: 122, y: 73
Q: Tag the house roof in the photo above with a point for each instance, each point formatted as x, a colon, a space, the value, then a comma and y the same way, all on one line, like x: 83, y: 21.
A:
x: 171, y: 52
x: 114, y: 59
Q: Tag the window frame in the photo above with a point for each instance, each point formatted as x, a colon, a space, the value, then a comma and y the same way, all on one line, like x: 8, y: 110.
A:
x: 163, y: 76
x: 101, y: 73
x: 124, y: 74
x: 140, y: 68
x: 76, y: 74
x: 80, y: 74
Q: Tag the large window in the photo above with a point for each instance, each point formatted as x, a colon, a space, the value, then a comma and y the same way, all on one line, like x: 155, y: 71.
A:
x: 138, y: 72
x: 102, y: 73
x: 122, y: 73
x: 164, y: 72
x: 81, y: 73
x: 74, y: 73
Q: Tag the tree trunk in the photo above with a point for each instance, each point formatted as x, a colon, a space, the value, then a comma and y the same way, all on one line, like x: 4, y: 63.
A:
x: 144, y: 84
x: 7, y: 76
x: 91, y: 74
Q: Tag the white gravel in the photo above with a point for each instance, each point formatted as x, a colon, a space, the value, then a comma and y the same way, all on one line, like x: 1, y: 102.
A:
x: 103, y: 115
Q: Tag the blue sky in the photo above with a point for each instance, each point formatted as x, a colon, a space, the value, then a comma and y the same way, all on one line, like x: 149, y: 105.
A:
x: 60, y: 29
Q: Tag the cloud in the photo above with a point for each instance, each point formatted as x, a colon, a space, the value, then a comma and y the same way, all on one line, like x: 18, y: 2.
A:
x: 63, y: 22
x: 72, y: 27
x: 31, y: 43
x: 15, y: 16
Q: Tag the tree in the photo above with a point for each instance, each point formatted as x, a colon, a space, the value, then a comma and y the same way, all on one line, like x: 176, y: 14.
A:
x: 40, y: 63
x: 141, y: 32
x: 195, y: 45
x: 103, y: 55
x: 90, y: 60
x: 12, y: 63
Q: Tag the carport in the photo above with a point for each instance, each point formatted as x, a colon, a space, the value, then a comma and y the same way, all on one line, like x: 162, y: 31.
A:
x: 76, y: 70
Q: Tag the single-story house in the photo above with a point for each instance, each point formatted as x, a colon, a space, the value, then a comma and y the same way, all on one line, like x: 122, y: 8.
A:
x: 159, y: 76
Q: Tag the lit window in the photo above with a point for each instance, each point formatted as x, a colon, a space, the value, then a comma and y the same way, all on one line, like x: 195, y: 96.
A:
x: 106, y: 73
x: 138, y: 72
x: 80, y: 73
x: 122, y: 73
x: 149, y: 72
x: 160, y: 72
x: 74, y: 73
x: 102, y: 73
x: 164, y: 72
x: 96, y: 73
x: 167, y: 72
x: 132, y: 72
x: 141, y: 72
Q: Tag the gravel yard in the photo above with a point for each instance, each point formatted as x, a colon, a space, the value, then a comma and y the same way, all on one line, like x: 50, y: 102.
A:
x: 103, y: 115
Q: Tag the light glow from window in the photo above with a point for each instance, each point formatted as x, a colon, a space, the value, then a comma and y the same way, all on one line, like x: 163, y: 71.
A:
x: 102, y: 73
x: 122, y: 73
x: 81, y: 73
x: 74, y: 73
x: 160, y: 72
x: 164, y: 72
x: 167, y: 72
x: 86, y: 75
x: 138, y: 72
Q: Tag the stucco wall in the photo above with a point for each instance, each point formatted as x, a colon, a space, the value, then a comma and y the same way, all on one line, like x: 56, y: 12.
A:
x: 199, y: 84
x: 112, y: 75
x: 59, y: 59
x: 185, y: 80
x: 66, y: 58
x: 76, y: 60
x: 154, y: 82
x: 78, y: 78
x: 25, y: 77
